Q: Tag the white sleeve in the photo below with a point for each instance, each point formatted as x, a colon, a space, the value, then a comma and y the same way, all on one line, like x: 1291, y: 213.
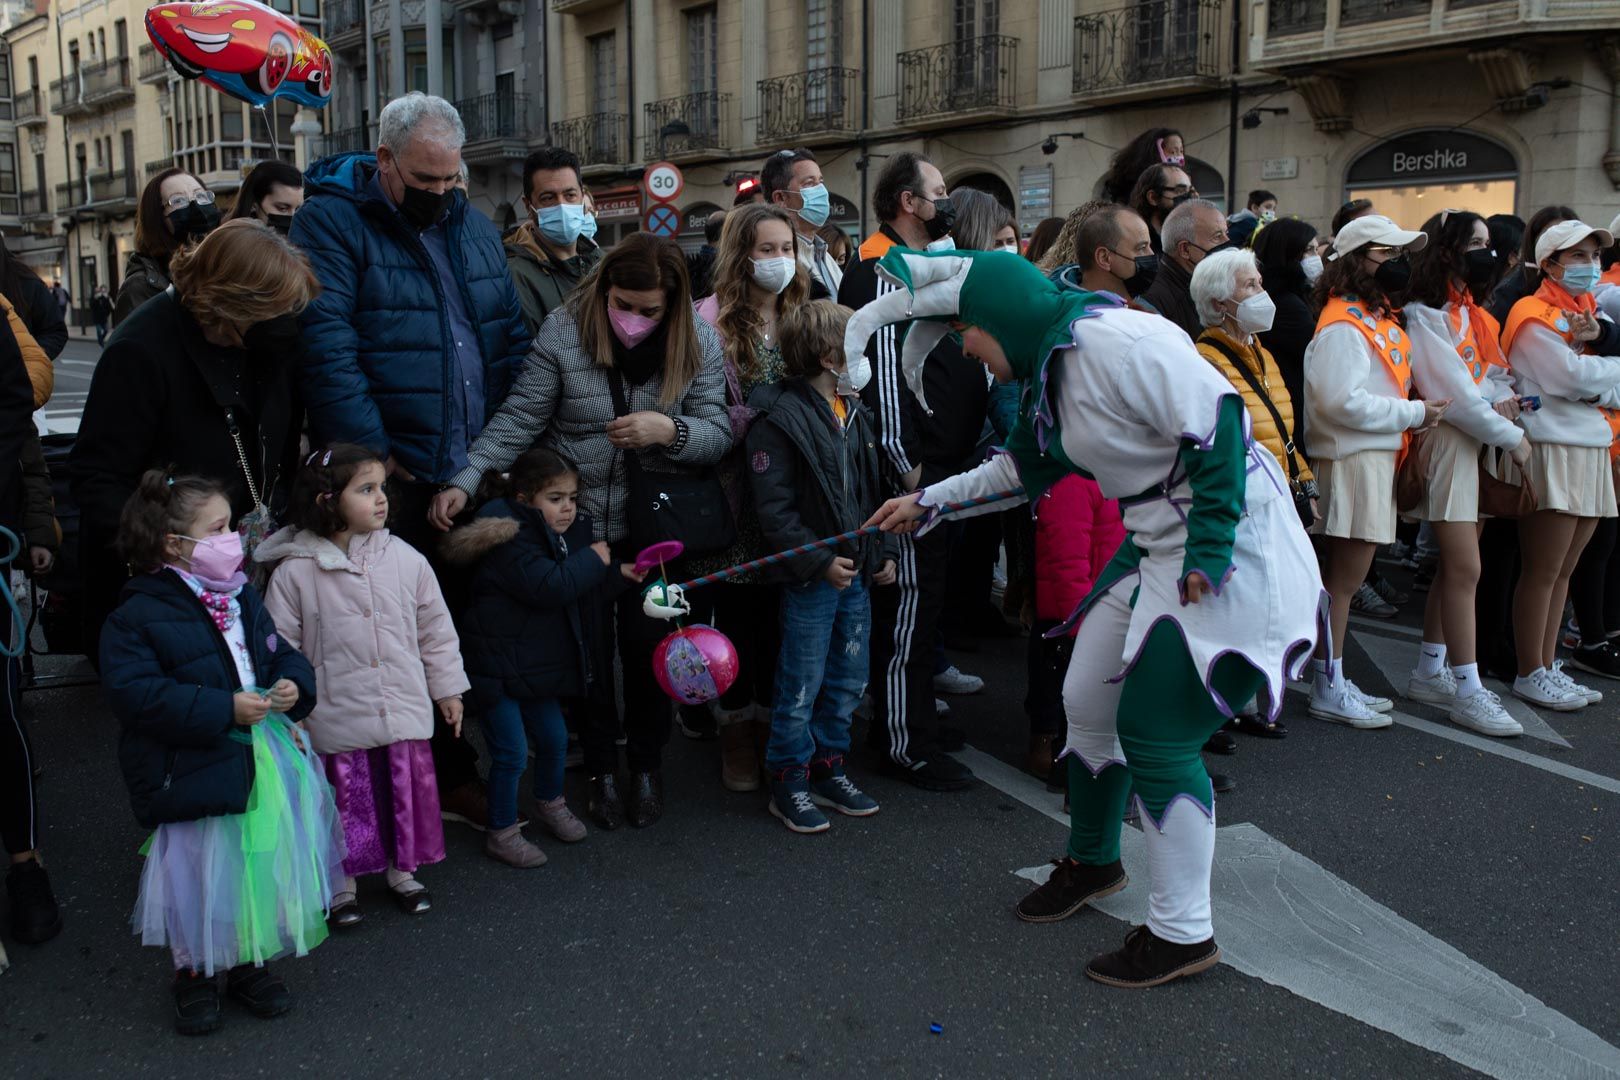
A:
x: 1000, y: 473
x: 1498, y: 385
x: 1337, y: 367
x: 1608, y: 300
x: 1440, y: 375
x: 1541, y: 355
x: 1167, y: 384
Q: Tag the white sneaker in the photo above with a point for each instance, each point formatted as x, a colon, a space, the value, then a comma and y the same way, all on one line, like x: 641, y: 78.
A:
x: 1483, y: 712
x: 1342, y: 705
x: 1539, y: 689
x: 1435, y: 689
x: 954, y: 681
x: 941, y: 707
x: 1593, y: 697
x: 1372, y: 701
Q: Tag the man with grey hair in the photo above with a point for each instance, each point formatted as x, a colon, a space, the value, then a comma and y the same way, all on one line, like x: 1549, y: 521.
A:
x: 416, y: 335
x: 1190, y: 232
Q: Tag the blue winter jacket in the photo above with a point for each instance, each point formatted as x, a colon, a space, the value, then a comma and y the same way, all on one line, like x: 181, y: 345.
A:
x: 378, y: 352
x: 170, y: 679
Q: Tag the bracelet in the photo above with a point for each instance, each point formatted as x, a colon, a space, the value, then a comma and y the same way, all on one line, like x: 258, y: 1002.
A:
x: 682, y: 433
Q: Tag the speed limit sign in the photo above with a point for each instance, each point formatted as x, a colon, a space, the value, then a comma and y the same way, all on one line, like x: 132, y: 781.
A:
x: 664, y: 182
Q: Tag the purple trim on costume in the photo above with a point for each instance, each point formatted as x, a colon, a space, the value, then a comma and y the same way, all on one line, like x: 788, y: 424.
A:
x: 1214, y: 587
x: 1068, y: 750
x: 1079, y: 611
x: 1158, y: 823
x: 1221, y: 704
x: 1206, y: 441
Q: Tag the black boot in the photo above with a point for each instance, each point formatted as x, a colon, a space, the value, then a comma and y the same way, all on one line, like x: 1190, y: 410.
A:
x: 1070, y: 887
x: 646, y: 799
x: 1149, y: 960
x: 263, y: 993
x: 196, y: 1003
x: 605, y: 807
x: 35, y: 916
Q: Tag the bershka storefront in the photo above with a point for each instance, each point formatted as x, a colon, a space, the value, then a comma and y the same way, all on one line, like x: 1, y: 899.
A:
x: 1413, y: 176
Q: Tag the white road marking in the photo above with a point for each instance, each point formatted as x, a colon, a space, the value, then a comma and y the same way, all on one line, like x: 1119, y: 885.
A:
x: 1285, y: 920
x: 76, y: 363
x: 1380, y: 624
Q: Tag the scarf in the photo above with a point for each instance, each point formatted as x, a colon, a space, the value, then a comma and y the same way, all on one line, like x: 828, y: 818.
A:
x: 222, y: 605
x: 1482, y: 326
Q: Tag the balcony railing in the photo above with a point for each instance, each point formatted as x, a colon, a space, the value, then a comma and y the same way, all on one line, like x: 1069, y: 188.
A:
x: 154, y: 65
x: 341, y: 16
x: 808, y: 103
x: 961, y: 76
x: 341, y: 141
x: 1363, y: 11
x: 65, y: 97
x: 32, y: 204
x: 155, y: 167
x: 694, y: 122
x: 107, y: 81
x: 71, y: 194
x: 1151, y: 41
x: 30, y: 106
x: 108, y: 187
x: 494, y: 116
x: 597, y: 139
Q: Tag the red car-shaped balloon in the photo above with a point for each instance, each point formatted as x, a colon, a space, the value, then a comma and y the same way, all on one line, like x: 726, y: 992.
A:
x: 244, y: 48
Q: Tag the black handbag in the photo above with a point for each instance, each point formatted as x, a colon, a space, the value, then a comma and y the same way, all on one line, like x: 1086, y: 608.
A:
x: 1303, y: 491
x: 659, y: 506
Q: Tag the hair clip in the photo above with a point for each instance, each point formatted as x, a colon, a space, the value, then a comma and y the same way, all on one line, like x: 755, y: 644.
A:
x: 168, y: 481
x: 1447, y: 213
x: 327, y: 460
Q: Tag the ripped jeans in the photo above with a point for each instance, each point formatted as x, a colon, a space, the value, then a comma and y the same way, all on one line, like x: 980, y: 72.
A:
x: 821, y: 673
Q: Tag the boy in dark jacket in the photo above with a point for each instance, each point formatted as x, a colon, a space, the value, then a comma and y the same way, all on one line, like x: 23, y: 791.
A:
x: 814, y: 465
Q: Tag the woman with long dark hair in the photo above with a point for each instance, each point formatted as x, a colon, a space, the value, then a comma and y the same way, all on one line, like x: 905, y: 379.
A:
x: 1290, y: 265
x: 175, y: 209
x: 1159, y: 190
x: 272, y: 193
x: 1155, y: 146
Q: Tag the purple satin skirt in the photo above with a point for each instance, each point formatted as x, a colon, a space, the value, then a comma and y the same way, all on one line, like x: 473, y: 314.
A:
x: 388, y: 801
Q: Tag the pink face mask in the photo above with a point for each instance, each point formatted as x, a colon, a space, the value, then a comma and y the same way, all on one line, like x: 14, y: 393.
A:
x: 216, y: 561
x: 1170, y: 159
x: 630, y: 328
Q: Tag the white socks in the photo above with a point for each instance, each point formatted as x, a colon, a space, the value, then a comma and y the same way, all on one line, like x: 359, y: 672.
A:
x: 1467, y: 676
x: 1431, y: 659
x: 1322, y: 682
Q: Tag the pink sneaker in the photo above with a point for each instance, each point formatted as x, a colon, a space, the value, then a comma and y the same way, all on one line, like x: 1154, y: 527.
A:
x: 559, y: 820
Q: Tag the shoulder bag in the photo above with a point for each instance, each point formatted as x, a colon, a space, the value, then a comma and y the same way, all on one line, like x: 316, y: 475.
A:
x: 1303, y: 491
x: 659, y: 506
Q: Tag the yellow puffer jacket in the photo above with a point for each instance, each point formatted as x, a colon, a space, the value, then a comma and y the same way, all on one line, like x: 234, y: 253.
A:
x: 40, y: 373
x: 1264, y: 368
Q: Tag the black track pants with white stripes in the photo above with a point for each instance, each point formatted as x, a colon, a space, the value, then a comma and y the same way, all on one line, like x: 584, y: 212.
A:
x: 905, y: 622
x: 18, y: 809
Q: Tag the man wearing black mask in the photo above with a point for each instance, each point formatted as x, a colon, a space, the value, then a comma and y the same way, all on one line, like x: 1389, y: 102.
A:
x: 415, y: 338
x: 1116, y: 254
x: 1192, y: 230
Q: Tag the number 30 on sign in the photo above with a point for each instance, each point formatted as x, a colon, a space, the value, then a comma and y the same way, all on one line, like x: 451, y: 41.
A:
x: 664, y: 182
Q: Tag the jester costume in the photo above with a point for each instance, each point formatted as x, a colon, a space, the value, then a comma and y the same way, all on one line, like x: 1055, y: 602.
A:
x: 1122, y: 396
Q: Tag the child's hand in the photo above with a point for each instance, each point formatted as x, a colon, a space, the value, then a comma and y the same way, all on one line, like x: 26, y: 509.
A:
x: 886, y: 574
x: 248, y: 708
x: 300, y: 734
x: 41, y: 559
x: 283, y: 696
x: 450, y: 709
x: 840, y: 572
x: 631, y: 573
x: 601, y: 549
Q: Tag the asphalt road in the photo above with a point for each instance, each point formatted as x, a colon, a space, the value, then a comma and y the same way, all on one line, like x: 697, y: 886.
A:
x: 719, y: 944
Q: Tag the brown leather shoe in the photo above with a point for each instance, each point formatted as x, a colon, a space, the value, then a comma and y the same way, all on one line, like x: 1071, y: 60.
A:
x: 739, y: 761
x: 1042, y: 749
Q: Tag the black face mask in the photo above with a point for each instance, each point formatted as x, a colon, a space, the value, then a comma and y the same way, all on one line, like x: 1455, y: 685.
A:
x: 1392, y: 275
x: 422, y: 208
x: 1479, y: 267
x: 277, y: 337
x: 1145, y: 270
x: 1179, y: 199
x: 196, y: 220
x: 282, y: 223
x: 944, y: 217
x: 1225, y: 245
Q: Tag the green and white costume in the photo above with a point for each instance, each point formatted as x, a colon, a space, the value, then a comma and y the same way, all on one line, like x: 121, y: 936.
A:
x: 1124, y: 397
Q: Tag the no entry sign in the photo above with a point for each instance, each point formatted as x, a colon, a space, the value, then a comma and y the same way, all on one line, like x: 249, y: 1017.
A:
x: 662, y: 220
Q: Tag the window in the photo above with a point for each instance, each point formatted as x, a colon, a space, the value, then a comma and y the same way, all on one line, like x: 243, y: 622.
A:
x: 309, y: 9
x: 129, y: 162
x: 976, y: 63
x: 33, y: 71
x: 230, y: 123
x: 976, y: 18
x: 604, y: 54
x: 703, y: 71
x: 8, y: 169
x: 39, y: 176
x: 121, y: 37
x: 1163, y: 39
x: 5, y: 74
x: 823, y: 94
x: 416, y: 59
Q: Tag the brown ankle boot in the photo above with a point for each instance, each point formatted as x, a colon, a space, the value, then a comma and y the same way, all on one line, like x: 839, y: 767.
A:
x: 1042, y: 749
x: 739, y: 761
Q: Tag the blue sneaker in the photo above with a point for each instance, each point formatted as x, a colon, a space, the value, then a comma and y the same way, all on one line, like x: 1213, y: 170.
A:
x: 791, y: 802
x: 829, y: 787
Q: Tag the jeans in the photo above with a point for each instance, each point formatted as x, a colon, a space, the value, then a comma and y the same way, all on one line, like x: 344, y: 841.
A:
x: 509, y: 724
x: 101, y: 331
x: 821, y: 673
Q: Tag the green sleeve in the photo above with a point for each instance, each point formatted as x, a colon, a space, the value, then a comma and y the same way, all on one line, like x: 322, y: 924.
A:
x: 1218, y: 477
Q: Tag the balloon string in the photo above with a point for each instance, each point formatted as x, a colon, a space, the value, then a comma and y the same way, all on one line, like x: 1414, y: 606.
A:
x: 844, y: 537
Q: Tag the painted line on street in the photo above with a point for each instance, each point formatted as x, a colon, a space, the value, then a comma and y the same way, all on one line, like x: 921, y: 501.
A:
x: 1387, y: 627
x: 77, y: 363
x: 1512, y: 753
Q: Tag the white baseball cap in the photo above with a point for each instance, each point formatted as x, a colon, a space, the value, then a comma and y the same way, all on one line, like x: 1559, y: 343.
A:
x: 1375, y: 229
x: 1565, y: 235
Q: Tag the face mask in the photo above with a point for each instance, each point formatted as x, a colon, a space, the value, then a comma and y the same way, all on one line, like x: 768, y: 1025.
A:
x: 773, y: 275
x: 562, y: 223
x: 422, y: 207
x: 1580, y: 279
x: 944, y: 217
x: 196, y: 220
x: 1225, y: 245
x: 1179, y: 199
x: 1010, y: 246
x: 1479, y: 267
x: 817, y: 208
x: 1144, y: 271
x: 1268, y: 217
x: 944, y: 243
x: 1312, y: 266
x: 631, y: 328
x: 1254, y: 315
x: 282, y: 223
x: 856, y: 374
x: 588, y: 229
x: 216, y: 560
x: 1393, y: 274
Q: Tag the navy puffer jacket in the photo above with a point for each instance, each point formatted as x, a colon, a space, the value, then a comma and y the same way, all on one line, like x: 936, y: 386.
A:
x: 377, y: 343
x: 170, y: 679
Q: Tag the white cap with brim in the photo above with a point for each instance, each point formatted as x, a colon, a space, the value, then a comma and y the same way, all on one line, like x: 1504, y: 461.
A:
x: 1375, y: 229
x: 1565, y: 235
x: 1614, y: 226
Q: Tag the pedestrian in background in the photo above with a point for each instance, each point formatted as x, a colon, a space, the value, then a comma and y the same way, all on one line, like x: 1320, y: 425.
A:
x: 1159, y: 190
x: 32, y: 300
x: 271, y: 193
x: 792, y: 180
x: 174, y: 210
x: 100, y: 313
x: 549, y: 254
x: 1155, y: 146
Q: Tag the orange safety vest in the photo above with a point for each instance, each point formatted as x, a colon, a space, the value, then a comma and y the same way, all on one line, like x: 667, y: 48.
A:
x: 1611, y: 276
x: 1384, y: 336
x: 1551, y: 306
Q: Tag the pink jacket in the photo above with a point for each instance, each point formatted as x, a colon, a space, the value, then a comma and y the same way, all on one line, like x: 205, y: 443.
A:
x: 377, y: 629
x: 1076, y: 532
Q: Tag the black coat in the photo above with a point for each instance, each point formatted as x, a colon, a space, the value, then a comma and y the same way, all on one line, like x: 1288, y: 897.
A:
x: 170, y: 680
x: 1171, y: 296
x: 814, y: 478
x: 532, y: 604
x: 40, y: 313
x: 1291, y: 331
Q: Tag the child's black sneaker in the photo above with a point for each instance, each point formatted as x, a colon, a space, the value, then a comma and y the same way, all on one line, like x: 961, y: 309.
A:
x: 196, y: 1003
x: 262, y: 993
x: 35, y: 915
x: 1071, y: 886
x: 1149, y: 960
x: 830, y: 788
x: 791, y: 802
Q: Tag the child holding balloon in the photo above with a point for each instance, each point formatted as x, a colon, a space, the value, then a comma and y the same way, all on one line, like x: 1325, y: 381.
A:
x: 814, y: 467
x: 525, y: 636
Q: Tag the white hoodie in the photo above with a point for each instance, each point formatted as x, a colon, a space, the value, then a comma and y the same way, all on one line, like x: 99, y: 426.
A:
x: 1440, y: 374
x: 1352, y: 401
x: 1568, y: 383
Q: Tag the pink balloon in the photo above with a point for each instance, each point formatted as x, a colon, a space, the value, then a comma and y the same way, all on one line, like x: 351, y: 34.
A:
x: 695, y: 664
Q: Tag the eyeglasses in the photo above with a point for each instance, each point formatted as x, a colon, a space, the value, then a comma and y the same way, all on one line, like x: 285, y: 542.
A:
x: 1182, y: 189
x: 1383, y: 249
x: 204, y: 197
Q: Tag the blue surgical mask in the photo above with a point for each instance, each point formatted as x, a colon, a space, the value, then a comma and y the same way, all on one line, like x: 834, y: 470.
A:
x: 1578, y: 280
x: 817, y: 207
x: 562, y: 223
x: 588, y: 230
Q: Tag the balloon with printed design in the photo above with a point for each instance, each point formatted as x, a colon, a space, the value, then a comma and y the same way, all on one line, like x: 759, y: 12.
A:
x: 243, y: 48
x: 695, y: 664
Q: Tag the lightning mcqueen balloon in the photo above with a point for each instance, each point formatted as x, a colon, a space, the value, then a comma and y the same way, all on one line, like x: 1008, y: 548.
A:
x: 244, y: 49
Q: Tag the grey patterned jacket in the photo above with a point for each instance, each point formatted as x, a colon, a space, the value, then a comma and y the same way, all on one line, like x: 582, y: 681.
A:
x: 561, y: 401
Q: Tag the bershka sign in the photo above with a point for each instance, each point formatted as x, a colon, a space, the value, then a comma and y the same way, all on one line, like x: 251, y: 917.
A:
x: 1439, y: 154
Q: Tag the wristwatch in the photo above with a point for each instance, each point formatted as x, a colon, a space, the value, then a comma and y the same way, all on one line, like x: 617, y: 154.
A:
x: 682, y: 433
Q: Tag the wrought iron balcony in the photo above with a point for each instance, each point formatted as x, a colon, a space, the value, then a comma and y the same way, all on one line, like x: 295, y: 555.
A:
x: 971, y: 75
x: 65, y: 97
x: 108, y: 82
x: 1151, y: 41
x: 32, y: 204
x: 154, y: 66
x: 29, y: 107
x: 113, y: 187
x: 342, y: 141
x: 497, y: 127
x: 343, y: 22
x: 155, y: 167
x: 1295, y: 17
x: 598, y: 139
x: 808, y: 103
x: 1363, y: 11
x: 74, y: 193
x: 689, y: 124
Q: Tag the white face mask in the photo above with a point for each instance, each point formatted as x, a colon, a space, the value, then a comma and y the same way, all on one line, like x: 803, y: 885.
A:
x: 773, y: 275
x: 1011, y: 245
x: 944, y: 243
x: 856, y: 374
x: 1312, y: 265
x: 1254, y: 315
